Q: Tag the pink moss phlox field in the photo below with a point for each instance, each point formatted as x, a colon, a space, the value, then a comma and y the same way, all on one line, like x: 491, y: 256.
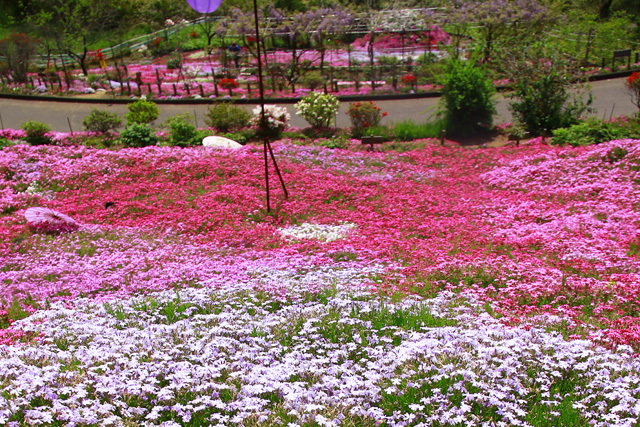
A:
x: 540, y: 233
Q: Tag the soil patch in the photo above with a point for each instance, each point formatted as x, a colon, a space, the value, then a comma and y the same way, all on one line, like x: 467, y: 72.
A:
x: 488, y: 138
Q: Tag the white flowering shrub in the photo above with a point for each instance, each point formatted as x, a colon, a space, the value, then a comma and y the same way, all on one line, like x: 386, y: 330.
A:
x: 276, y: 118
x: 321, y: 232
x: 318, y: 109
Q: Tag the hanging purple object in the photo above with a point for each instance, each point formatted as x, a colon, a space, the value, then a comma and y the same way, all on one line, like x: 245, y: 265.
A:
x: 204, y: 6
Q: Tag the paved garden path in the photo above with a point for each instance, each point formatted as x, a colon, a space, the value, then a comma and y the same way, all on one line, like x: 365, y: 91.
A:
x: 611, y: 96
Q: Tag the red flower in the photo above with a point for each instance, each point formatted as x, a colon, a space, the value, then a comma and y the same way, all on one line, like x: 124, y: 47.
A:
x: 409, y: 79
x: 634, y: 79
x: 228, y: 83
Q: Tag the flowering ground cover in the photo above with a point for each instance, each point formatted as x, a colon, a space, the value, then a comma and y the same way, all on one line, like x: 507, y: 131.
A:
x: 421, y: 285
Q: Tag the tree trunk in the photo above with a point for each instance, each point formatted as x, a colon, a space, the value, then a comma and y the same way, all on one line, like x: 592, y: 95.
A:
x: 604, y: 10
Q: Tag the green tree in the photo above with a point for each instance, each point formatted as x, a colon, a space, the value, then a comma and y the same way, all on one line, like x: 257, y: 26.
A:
x: 544, y: 90
x: 72, y: 26
x: 468, y: 97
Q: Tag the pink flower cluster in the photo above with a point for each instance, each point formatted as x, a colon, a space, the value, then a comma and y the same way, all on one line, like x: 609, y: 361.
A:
x: 540, y: 233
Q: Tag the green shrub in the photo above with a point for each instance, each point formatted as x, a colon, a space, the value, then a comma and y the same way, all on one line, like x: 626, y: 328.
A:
x: 142, y: 112
x: 241, y: 136
x: 138, y: 135
x: 591, y: 131
x: 379, y: 130
x: 227, y: 117
x: 100, y: 121
x: 313, y: 80
x: 315, y: 133
x: 183, y: 133
x: 544, y: 91
x: 339, y: 141
x: 318, y: 109
x: 95, y: 80
x: 407, y: 130
x: 37, y: 133
x: 363, y: 115
x: 4, y: 142
x: 468, y: 98
x: 175, y: 61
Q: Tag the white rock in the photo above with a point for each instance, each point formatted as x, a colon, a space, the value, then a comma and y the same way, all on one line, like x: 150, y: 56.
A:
x: 220, y: 142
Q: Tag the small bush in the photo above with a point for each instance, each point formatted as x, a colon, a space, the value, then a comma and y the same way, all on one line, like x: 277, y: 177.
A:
x: 37, y: 133
x: 227, y: 117
x: 100, y: 121
x: 95, y: 80
x: 592, y: 131
x: 4, y: 142
x: 142, y: 112
x: 318, y: 109
x: 323, y: 132
x: 468, y: 98
x: 545, y: 96
x: 379, y: 130
x: 339, y: 141
x: 138, y: 135
x: 407, y: 130
x: 183, y: 133
x: 363, y: 115
x: 313, y: 80
x: 241, y: 136
x: 174, y: 62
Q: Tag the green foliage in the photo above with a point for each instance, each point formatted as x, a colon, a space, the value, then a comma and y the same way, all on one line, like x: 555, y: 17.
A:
x: 541, y: 83
x: 379, y: 130
x: 138, y: 135
x: 4, y: 142
x: 183, y: 133
x: 100, y: 121
x: 37, y: 133
x: 318, y: 109
x: 241, y: 136
x: 407, y: 130
x: 468, y: 97
x: 175, y: 61
x: 339, y: 141
x: 94, y: 80
x: 142, y: 112
x: 615, y: 154
x: 227, y: 117
x: 313, y: 80
x: 586, y: 37
x: 17, y: 50
x: 592, y: 131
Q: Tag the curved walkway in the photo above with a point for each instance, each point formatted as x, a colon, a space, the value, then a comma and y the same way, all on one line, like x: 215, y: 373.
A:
x: 611, y: 98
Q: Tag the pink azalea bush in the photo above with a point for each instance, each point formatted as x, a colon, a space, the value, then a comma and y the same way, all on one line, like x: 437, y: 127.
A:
x: 508, y: 256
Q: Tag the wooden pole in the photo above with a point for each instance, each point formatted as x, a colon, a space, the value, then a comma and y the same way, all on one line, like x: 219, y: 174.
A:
x: 263, y: 121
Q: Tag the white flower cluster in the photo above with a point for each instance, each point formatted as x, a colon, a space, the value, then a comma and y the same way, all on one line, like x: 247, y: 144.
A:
x: 321, y: 232
x: 318, y: 109
x: 276, y: 117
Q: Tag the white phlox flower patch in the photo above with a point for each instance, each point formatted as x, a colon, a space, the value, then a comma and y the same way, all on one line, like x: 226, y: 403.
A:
x: 321, y: 232
x: 207, y: 357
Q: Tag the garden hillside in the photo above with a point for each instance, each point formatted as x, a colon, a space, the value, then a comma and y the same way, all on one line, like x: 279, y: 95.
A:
x: 424, y: 284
